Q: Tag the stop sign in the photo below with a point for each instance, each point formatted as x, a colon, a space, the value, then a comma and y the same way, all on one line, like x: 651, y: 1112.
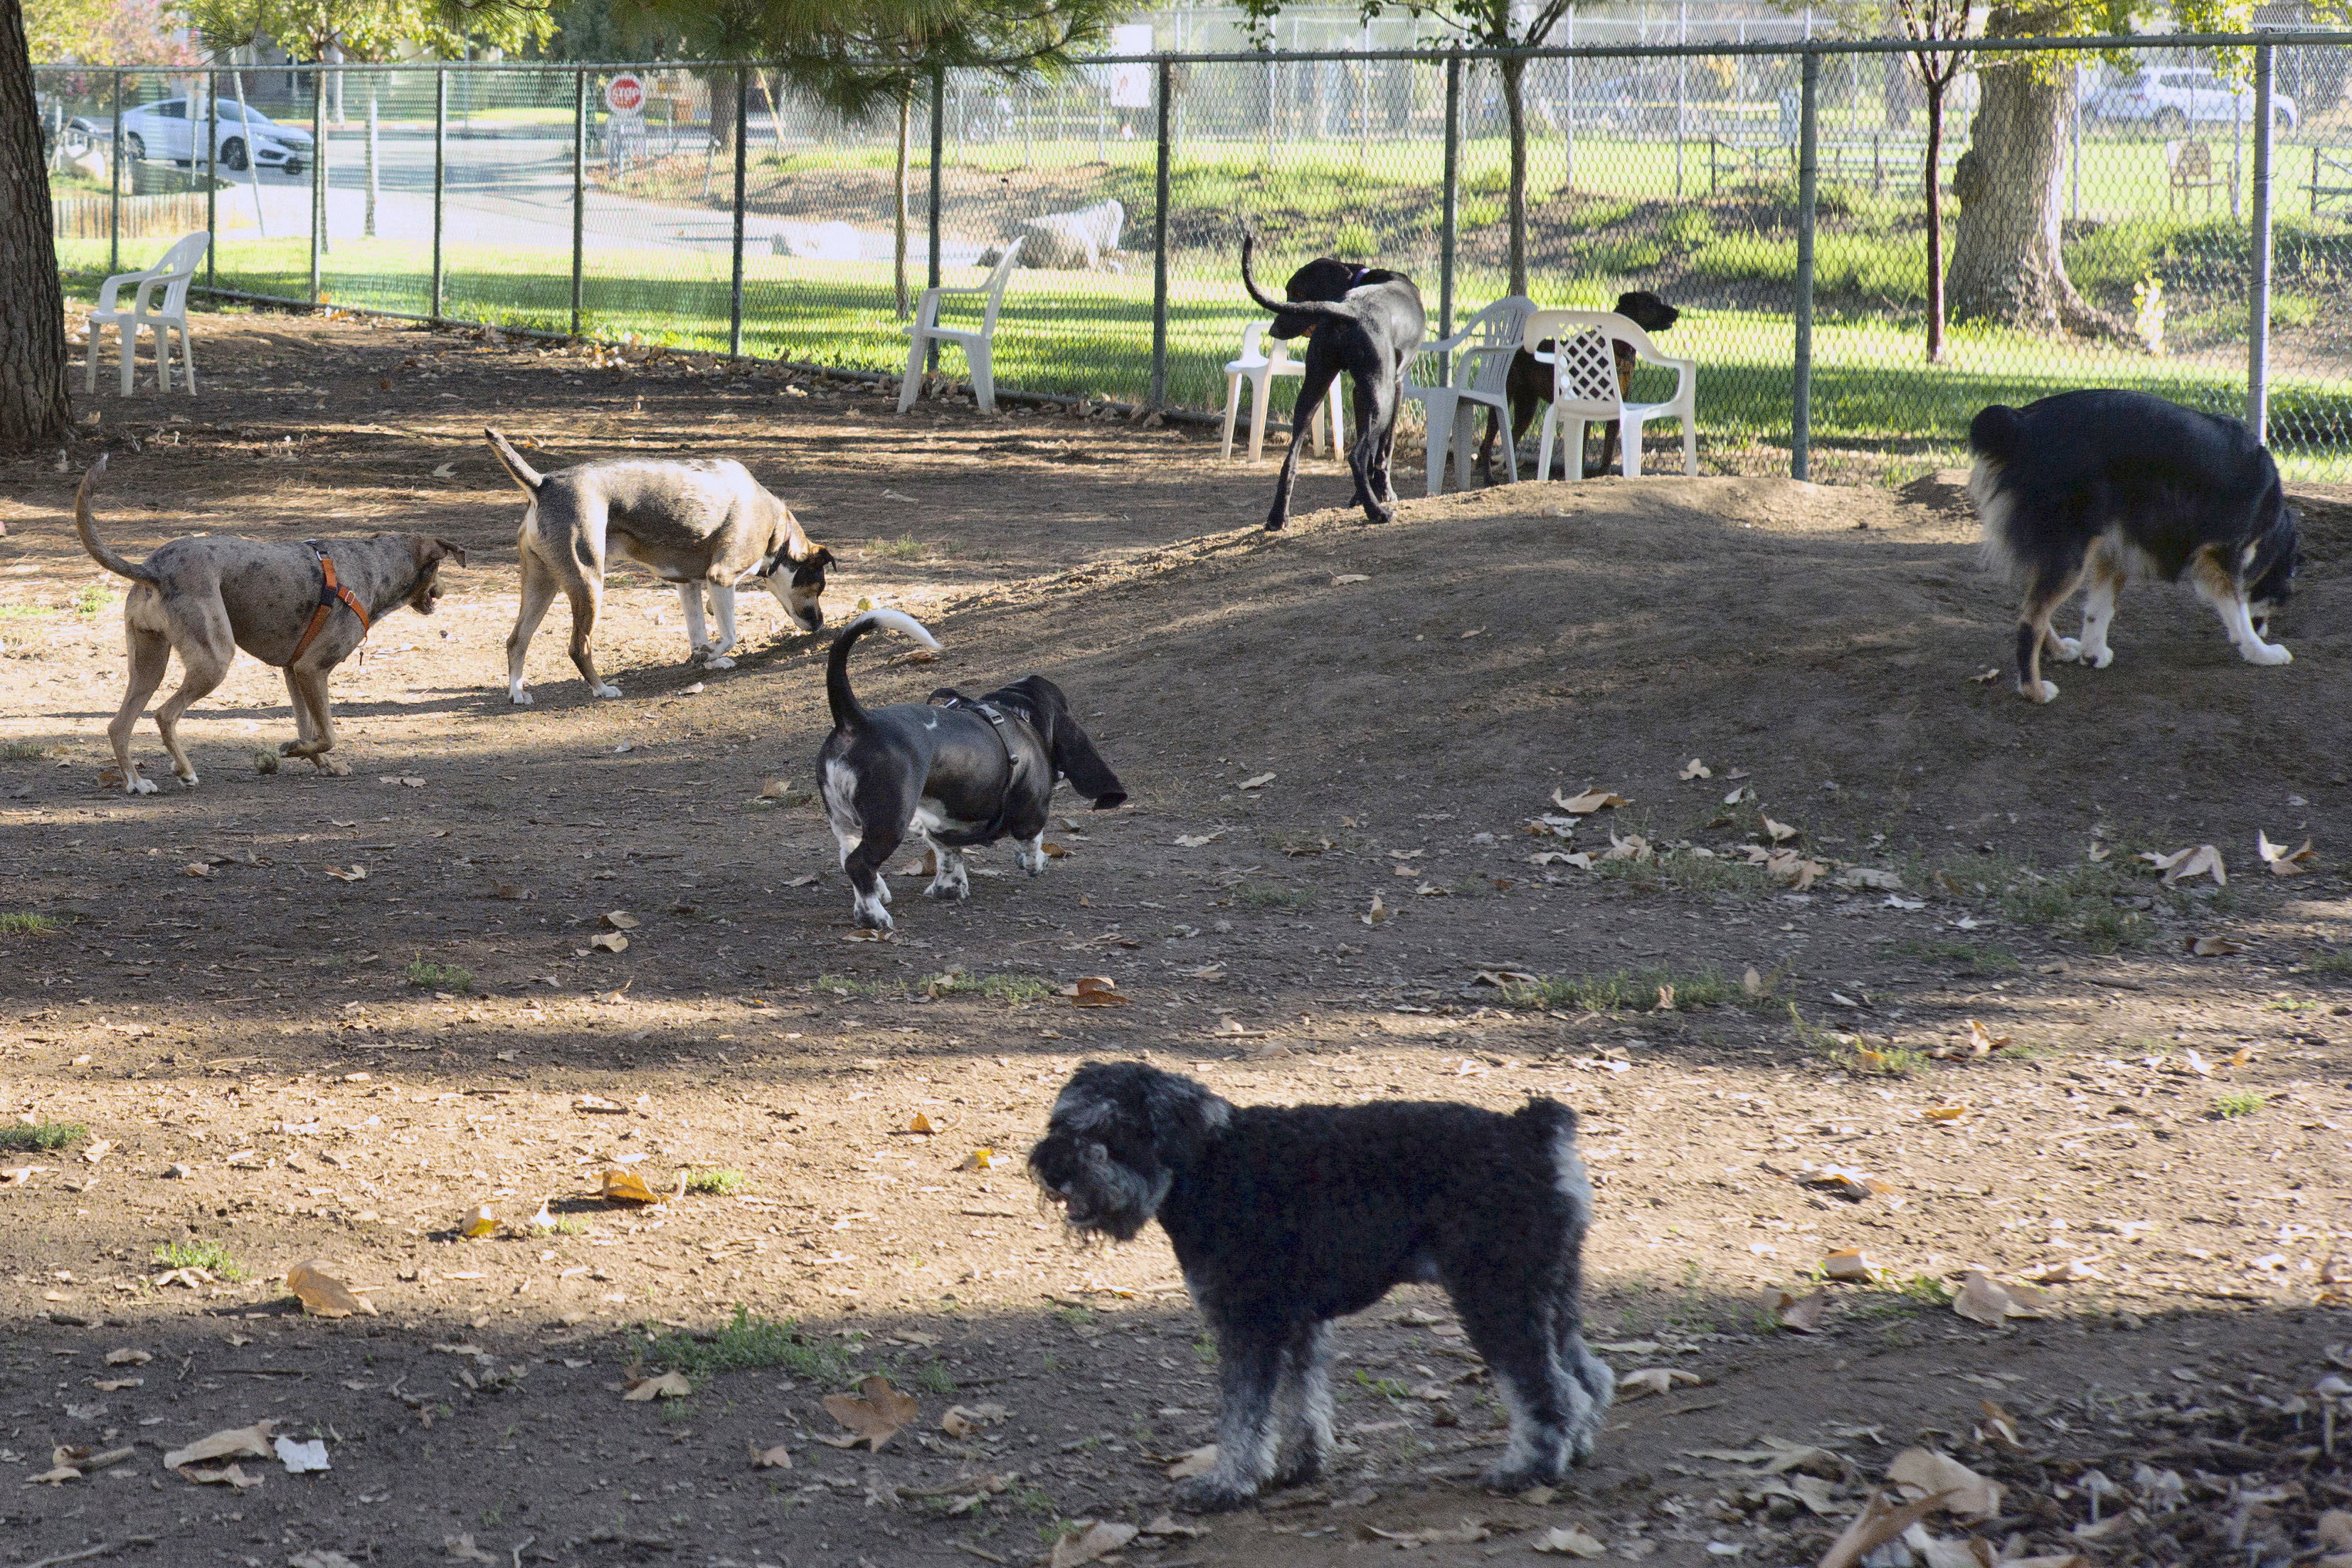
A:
x: 625, y: 94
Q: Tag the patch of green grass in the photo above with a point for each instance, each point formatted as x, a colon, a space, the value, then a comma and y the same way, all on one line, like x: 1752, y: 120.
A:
x: 906, y: 547
x: 849, y: 985
x: 21, y: 922
x: 24, y: 612
x: 2334, y: 964
x: 1386, y: 1387
x: 91, y: 599
x: 40, y: 1137
x: 1626, y: 991
x: 570, y: 1225
x: 1983, y: 958
x: 1075, y: 1317
x: 933, y: 1377
x: 2079, y: 902
x: 1265, y: 896
x: 1846, y: 1052
x: 1014, y: 988
x: 2238, y: 1102
x: 1684, y: 871
x: 22, y: 751
x: 428, y: 976
x: 1903, y: 1297
x: 715, y: 1184
x: 747, y: 1341
x: 208, y: 1256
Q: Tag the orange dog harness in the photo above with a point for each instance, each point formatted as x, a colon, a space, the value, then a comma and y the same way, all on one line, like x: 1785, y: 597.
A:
x: 330, y: 593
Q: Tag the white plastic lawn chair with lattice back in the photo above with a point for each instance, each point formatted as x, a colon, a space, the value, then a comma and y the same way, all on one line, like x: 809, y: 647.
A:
x: 167, y: 283
x: 976, y: 342
x: 1455, y: 377
x: 1257, y: 368
x: 1585, y: 389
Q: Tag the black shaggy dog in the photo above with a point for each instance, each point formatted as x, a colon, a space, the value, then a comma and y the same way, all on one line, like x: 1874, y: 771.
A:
x: 1530, y: 384
x: 2111, y: 486
x: 1365, y: 322
x: 1283, y: 1218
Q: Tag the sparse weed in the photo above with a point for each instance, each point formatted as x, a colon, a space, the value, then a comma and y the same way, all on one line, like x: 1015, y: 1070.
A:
x: 1626, y: 991
x: 428, y: 976
x: 1075, y: 1317
x: 40, y: 1137
x: 2077, y: 901
x: 1386, y: 1387
x: 1684, y: 870
x: 91, y: 599
x: 1012, y: 988
x: 1983, y: 959
x: 20, y: 923
x: 2339, y: 964
x: 2238, y: 1102
x: 848, y: 985
x: 906, y: 547
x: 715, y: 1184
x: 1903, y: 1297
x: 24, y: 611
x: 1261, y: 896
x: 22, y: 751
x: 933, y: 1377
x: 747, y: 1341
x: 209, y: 1255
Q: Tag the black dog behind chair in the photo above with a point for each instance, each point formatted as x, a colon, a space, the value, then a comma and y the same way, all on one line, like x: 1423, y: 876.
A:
x: 1285, y: 1217
x: 1365, y: 322
x: 1530, y: 384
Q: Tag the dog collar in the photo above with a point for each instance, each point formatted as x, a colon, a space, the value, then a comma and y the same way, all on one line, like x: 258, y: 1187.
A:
x: 330, y: 594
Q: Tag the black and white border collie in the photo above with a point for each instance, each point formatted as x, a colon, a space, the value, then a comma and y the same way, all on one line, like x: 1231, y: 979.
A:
x: 957, y: 771
x: 2109, y: 485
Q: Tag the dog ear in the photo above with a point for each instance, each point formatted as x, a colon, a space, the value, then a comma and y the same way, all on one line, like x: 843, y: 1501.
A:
x: 431, y: 553
x: 810, y: 567
x: 444, y: 549
x: 1074, y: 757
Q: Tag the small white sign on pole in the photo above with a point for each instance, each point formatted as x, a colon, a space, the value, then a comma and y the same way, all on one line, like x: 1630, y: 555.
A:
x: 1131, y: 85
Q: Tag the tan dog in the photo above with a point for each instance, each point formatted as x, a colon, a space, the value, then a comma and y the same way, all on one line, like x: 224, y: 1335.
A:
x: 299, y: 608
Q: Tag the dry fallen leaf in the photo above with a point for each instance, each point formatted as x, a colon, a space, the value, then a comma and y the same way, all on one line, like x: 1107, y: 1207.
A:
x: 1780, y: 831
x: 922, y: 1124
x: 1801, y: 1316
x: 2064, y: 1271
x: 1653, y: 1380
x: 2282, y: 862
x: 1881, y: 1521
x: 1566, y: 1541
x: 224, y: 1475
x: 1258, y: 781
x: 1090, y: 1540
x: 1097, y: 991
x: 234, y: 1442
x: 1194, y: 1462
x: 667, y: 1386
x: 609, y: 941
x: 625, y: 1186
x: 479, y: 1221
x: 1587, y: 803
x: 355, y: 874
x: 1981, y: 1043
x: 1945, y: 1112
x: 1694, y: 769
x: 776, y: 1458
x: 1981, y: 1299
x: 461, y: 1549
x: 1754, y: 985
x: 1198, y: 840
x: 1922, y: 1472
x: 325, y: 1296
x: 618, y: 919
x: 982, y: 1160
x: 2210, y: 946
x: 1345, y: 578
x: 873, y: 1415
x: 1376, y: 914
x: 127, y: 1357
x: 1848, y: 1265
x: 1462, y: 1534
x: 2203, y: 860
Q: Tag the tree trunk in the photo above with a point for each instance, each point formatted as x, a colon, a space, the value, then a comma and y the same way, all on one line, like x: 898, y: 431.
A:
x: 1514, y: 109
x: 2006, y: 263
x: 1935, y: 86
x: 899, y: 229
x: 33, y: 405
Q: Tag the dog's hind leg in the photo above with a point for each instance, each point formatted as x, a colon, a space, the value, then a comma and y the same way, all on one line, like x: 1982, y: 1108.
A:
x: 950, y: 880
x: 1249, y: 1370
x: 1548, y: 1407
x: 151, y: 655
x: 2106, y: 575
x: 587, y: 596
x: 204, y: 658
x: 1376, y: 413
x: 1313, y: 388
x: 1593, y: 1374
x: 1304, y: 1398
x: 1030, y: 853
x: 2047, y: 591
x: 538, y: 587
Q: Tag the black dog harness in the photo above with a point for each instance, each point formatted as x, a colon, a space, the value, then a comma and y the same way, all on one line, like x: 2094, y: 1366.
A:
x: 330, y: 594
x: 995, y: 827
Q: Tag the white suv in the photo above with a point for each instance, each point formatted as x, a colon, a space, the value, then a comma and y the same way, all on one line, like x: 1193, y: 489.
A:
x: 2173, y: 98
x: 163, y: 131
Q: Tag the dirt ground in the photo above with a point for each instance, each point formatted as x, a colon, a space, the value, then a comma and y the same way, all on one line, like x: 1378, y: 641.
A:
x: 1344, y: 874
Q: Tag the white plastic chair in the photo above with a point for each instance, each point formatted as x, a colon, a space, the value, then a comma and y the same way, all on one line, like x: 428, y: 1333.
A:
x: 975, y: 345
x: 1460, y: 386
x: 1585, y: 388
x: 1257, y: 368
x: 172, y: 276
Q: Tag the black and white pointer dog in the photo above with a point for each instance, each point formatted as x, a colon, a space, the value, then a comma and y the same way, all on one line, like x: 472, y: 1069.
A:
x: 2110, y: 486
x: 1365, y: 321
x: 958, y: 772
x: 1285, y: 1217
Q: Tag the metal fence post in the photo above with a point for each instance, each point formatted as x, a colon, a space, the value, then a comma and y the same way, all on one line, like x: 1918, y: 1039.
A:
x: 440, y: 178
x: 2258, y: 327
x: 1801, y: 415
x: 1450, y: 207
x: 938, y: 152
x: 212, y: 178
x: 318, y: 172
x: 735, y: 294
x: 114, y: 186
x: 1160, y: 244
x: 579, y: 185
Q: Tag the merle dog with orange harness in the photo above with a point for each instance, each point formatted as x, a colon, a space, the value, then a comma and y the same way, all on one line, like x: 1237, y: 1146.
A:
x: 302, y: 607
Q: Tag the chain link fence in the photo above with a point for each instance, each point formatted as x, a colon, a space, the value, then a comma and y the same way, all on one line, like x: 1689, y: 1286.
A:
x: 1773, y: 192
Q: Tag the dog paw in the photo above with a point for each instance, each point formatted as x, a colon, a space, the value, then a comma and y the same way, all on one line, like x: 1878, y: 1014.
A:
x: 1301, y: 1471
x: 947, y: 890
x: 518, y: 696
x: 189, y: 781
x: 1206, y: 1494
x: 1516, y: 1478
x: 2070, y: 650
x: 606, y: 689
x: 717, y: 661
x: 1033, y: 864
x: 2102, y: 659
x: 2266, y: 653
x: 138, y: 786
x: 332, y: 767
x: 2040, y: 691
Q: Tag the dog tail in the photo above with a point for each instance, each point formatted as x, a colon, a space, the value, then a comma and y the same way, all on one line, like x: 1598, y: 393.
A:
x: 522, y: 473
x: 88, y: 528
x: 1318, y: 309
x: 1992, y: 434
x: 847, y: 713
